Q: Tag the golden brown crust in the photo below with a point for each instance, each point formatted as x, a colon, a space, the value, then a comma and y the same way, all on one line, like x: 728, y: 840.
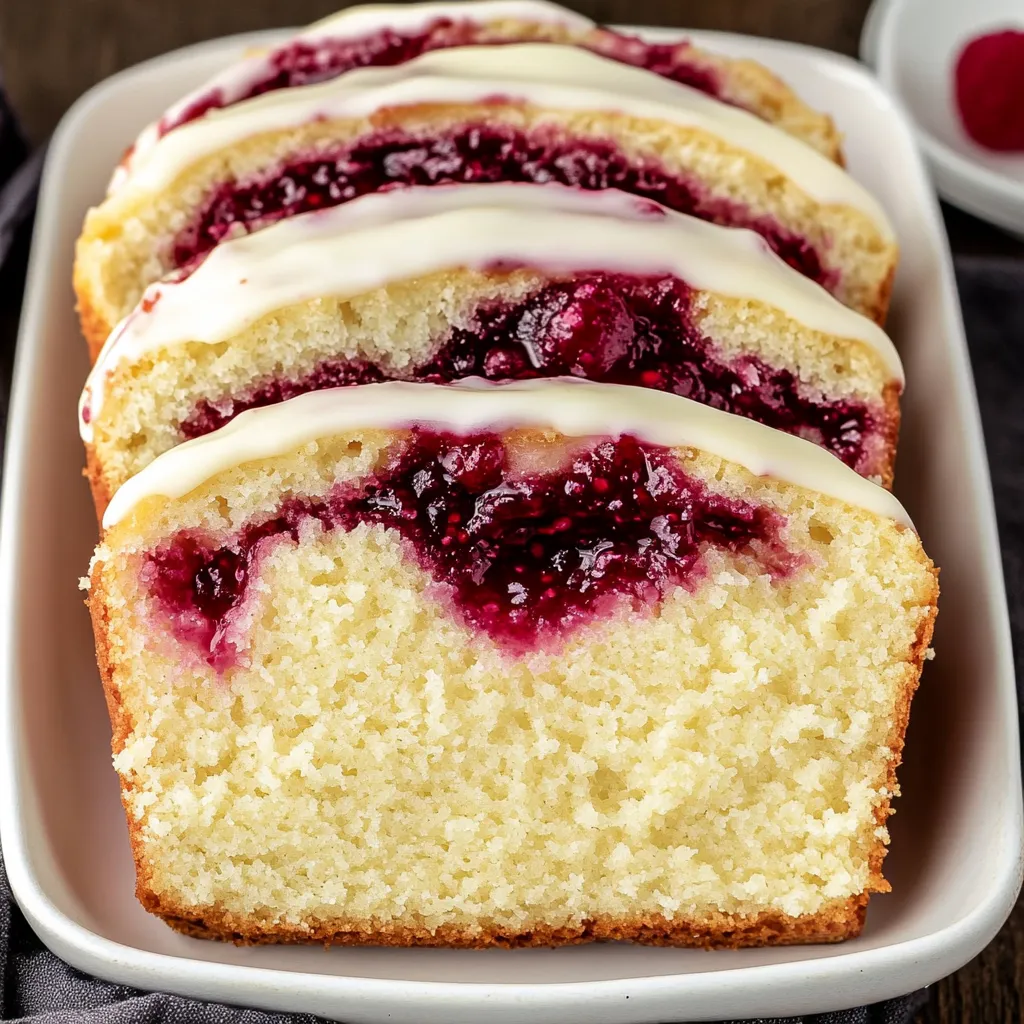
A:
x: 97, y: 605
x: 879, y: 309
x: 841, y: 920
x: 120, y: 721
x: 95, y: 326
x: 93, y: 472
x: 891, y: 433
x: 898, y: 730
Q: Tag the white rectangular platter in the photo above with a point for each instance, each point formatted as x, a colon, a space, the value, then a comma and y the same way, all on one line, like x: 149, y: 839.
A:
x: 955, y: 864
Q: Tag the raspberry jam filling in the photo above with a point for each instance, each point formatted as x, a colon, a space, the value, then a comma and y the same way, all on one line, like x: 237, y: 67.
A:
x: 614, y: 328
x: 306, y: 63
x: 466, y: 155
x: 523, y: 558
x: 336, y: 373
x: 989, y: 85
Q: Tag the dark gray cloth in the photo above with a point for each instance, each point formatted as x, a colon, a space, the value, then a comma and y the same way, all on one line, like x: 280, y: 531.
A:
x: 992, y: 297
x: 38, y: 988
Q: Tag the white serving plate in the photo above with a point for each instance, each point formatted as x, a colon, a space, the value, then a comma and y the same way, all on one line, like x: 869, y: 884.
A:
x: 913, y: 46
x: 956, y: 860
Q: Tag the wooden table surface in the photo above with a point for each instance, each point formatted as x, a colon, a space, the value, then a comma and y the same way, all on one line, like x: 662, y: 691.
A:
x: 53, y: 50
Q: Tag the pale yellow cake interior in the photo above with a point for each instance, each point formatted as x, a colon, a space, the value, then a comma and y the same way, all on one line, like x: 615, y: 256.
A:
x: 377, y: 765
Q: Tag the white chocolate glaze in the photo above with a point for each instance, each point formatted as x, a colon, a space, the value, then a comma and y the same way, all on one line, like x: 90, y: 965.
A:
x: 540, y: 74
x: 569, y: 406
x: 235, y: 81
x: 411, y: 19
x: 406, y: 233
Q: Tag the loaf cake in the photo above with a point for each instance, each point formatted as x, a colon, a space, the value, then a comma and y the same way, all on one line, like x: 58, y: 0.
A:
x: 523, y: 664
x: 388, y: 34
x: 519, y: 112
x: 500, y: 282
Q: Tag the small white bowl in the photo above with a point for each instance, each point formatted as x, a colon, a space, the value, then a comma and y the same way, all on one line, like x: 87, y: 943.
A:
x: 913, y: 46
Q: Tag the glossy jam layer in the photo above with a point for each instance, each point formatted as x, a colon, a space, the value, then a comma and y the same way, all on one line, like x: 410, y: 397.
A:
x: 211, y: 416
x: 523, y: 558
x: 613, y: 328
x: 306, y: 63
x: 468, y: 155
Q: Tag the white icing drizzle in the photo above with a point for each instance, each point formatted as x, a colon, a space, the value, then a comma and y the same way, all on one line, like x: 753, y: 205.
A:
x: 235, y: 81
x: 394, y: 236
x: 570, y: 407
x: 541, y: 74
x: 411, y: 19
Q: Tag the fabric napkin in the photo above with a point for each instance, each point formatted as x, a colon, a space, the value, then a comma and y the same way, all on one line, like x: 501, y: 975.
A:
x: 37, y: 987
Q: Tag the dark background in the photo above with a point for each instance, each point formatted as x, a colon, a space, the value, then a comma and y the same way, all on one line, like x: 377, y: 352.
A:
x: 51, y: 51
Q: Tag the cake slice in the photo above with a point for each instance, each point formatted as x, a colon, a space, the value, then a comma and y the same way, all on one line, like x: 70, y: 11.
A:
x: 521, y: 112
x: 523, y: 664
x: 500, y: 282
x: 388, y: 34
